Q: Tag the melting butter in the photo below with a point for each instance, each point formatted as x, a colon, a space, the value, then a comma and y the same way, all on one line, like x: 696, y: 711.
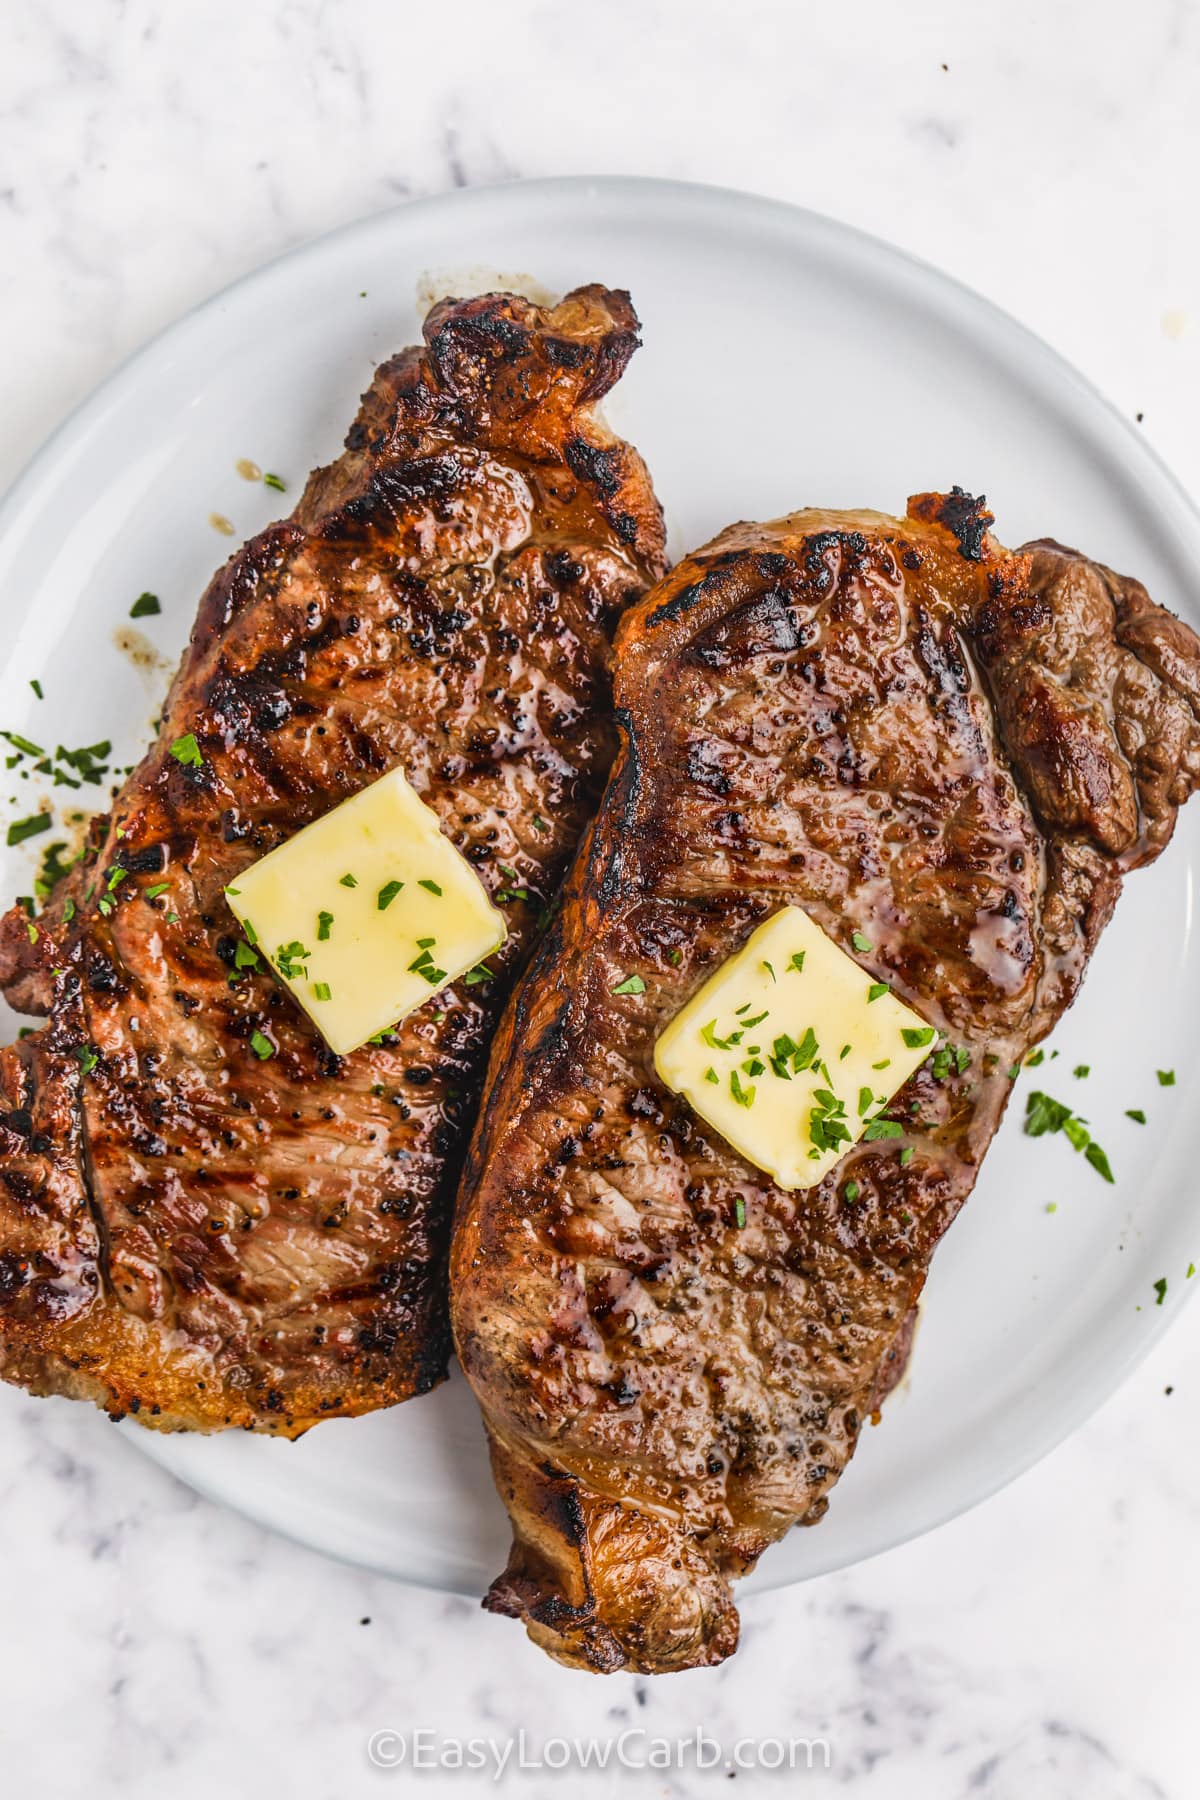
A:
x: 367, y: 913
x: 792, y: 1050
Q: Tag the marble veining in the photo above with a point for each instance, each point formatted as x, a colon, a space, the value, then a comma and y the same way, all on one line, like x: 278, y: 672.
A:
x: 153, y: 1644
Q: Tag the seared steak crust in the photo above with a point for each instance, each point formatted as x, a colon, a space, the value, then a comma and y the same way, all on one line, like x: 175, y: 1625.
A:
x: 918, y: 736
x: 204, y: 1238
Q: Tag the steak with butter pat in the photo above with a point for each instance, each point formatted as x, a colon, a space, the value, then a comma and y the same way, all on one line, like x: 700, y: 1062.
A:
x: 207, y: 1219
x: 947, y: 751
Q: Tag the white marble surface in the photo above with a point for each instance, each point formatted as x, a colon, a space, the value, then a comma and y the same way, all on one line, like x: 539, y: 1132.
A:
x: 1043, y: 1646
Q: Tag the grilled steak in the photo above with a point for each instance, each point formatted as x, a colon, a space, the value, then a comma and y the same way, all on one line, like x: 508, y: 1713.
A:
x: 955, y: 752
x: 204, y: 1238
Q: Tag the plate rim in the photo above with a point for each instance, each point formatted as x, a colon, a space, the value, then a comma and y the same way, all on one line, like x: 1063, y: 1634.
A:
x: 1135, y: 454
x: 548, y: 187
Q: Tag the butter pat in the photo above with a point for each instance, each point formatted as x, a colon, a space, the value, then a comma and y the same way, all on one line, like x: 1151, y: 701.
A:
x: 367, y: 912
x: 791, y: 1050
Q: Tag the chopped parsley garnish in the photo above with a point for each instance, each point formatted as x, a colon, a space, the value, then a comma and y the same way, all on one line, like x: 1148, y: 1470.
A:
x: 152, y: 893
x: 36, y: 685
x: 20, y: 829
x: 862, y: 944
x: 68, y: 910
x: 1166, y: 1077
x: 797, y: 962
x: 882, y: 1128
x: 866, y: 1101
x: 709, y: 1034
x: 145, y: 606
x: 906, y: 1155
x: 479, y: 973
x: 1076, y: 1133
x: 770, y: 971
x: 756, y: 1020
x: 885, y: 1064
x: 1081, y: 1071
x: 753, y: 1067
x: 244, y: 957
x: 739, y: 1213
x: 89, y: 763
x: 510, y: 893
x: 1136, y: 1114
x: 186, y: 750
x: 423, y: 965
x: 290, y: 960
x: 852, y: 1191
x: 674, y: 957
x: 116, y: 877
x: 324, y: 921
x: 539, y: 824
x: 273, y: 481
x: 348, y: 881
x: 1044, y: 1114
x: 88, y: 1058
x: 54, y: 869
x: 743, y: 1096
x: 1160, y: 1288
x: 877, y: 990
x: 25, y: 745
x: 844, y: 1052
x: 827, y: 1126
x: 1098, y: 1161
x: 261, y: 1045
x: 916, y: 1039
x: 711, y: 1075
x: 632, y: 984
x: 251, y: 934
x: 786, y: 1050
x: 321, y: 990
x: 431, y: 887
x: 1035, y: 1059
x: 387, y: 894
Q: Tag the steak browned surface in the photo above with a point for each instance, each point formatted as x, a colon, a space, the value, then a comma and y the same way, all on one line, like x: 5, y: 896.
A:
x: 206, y: 1238
x: 954, y: 751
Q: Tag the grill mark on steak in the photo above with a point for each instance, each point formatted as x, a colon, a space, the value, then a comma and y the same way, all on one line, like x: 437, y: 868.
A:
x: 191, y: 1234
x: 956, y: 750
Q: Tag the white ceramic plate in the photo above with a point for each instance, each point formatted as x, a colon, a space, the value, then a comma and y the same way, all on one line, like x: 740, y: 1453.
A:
x: 787, y: 362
